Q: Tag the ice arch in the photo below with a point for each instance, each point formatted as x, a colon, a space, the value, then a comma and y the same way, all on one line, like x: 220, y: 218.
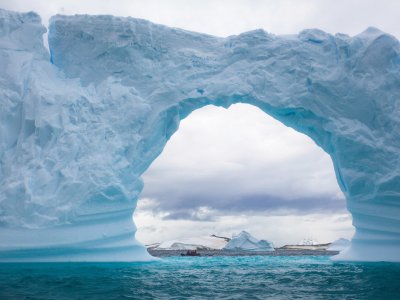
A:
x: 78, y: 128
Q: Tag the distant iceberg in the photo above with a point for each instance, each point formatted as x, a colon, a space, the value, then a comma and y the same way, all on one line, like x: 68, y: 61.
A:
x: 194, y: 243
x: 244, y: 241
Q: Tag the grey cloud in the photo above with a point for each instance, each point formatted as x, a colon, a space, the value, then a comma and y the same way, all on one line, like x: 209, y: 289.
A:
x: 240, y: 160
x: 189, y: 214
x: 187, y: 207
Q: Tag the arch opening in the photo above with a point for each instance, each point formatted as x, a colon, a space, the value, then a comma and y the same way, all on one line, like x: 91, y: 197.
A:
x: 238, y: 169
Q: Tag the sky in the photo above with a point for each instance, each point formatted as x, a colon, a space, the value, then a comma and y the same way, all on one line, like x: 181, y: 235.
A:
x: 229, y: 17
x: 229, y: 170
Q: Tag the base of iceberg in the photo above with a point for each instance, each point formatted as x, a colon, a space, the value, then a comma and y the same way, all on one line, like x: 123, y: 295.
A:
x: 366, y: 251
x: 111, y: 238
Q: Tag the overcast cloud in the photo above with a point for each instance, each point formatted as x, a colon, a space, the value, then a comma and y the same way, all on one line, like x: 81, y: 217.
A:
x: 241, y: 160
x: 228, y: 17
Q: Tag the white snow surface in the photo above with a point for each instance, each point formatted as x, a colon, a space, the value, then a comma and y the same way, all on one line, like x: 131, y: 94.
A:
x: 245, y: 241
x: 78, y: 127
x: 192, y: 243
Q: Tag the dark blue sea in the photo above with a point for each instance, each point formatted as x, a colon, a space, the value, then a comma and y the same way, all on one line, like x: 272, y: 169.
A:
x: 251, y: 277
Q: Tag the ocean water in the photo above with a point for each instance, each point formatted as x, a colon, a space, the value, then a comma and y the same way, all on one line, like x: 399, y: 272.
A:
x: 251, y: 277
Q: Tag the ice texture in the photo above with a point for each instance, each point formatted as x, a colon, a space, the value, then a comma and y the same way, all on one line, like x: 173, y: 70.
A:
x: 80, y: 125
x: 244, y: 241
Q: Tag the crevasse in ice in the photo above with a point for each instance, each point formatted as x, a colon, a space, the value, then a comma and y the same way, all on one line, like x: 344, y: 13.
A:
x: 80, y: 125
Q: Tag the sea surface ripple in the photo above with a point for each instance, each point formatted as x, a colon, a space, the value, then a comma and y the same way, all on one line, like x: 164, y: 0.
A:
x: 246, y: 277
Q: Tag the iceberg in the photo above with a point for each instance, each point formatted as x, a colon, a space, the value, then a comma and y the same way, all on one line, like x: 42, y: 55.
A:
x: 80, y: 123
x: 244, y: 241
x: 212, y: 242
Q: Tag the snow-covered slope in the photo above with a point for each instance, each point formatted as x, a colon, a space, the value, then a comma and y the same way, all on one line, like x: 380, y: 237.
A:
x: 245, y: 241
x: 78, y: 127
x: 192, y: 243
